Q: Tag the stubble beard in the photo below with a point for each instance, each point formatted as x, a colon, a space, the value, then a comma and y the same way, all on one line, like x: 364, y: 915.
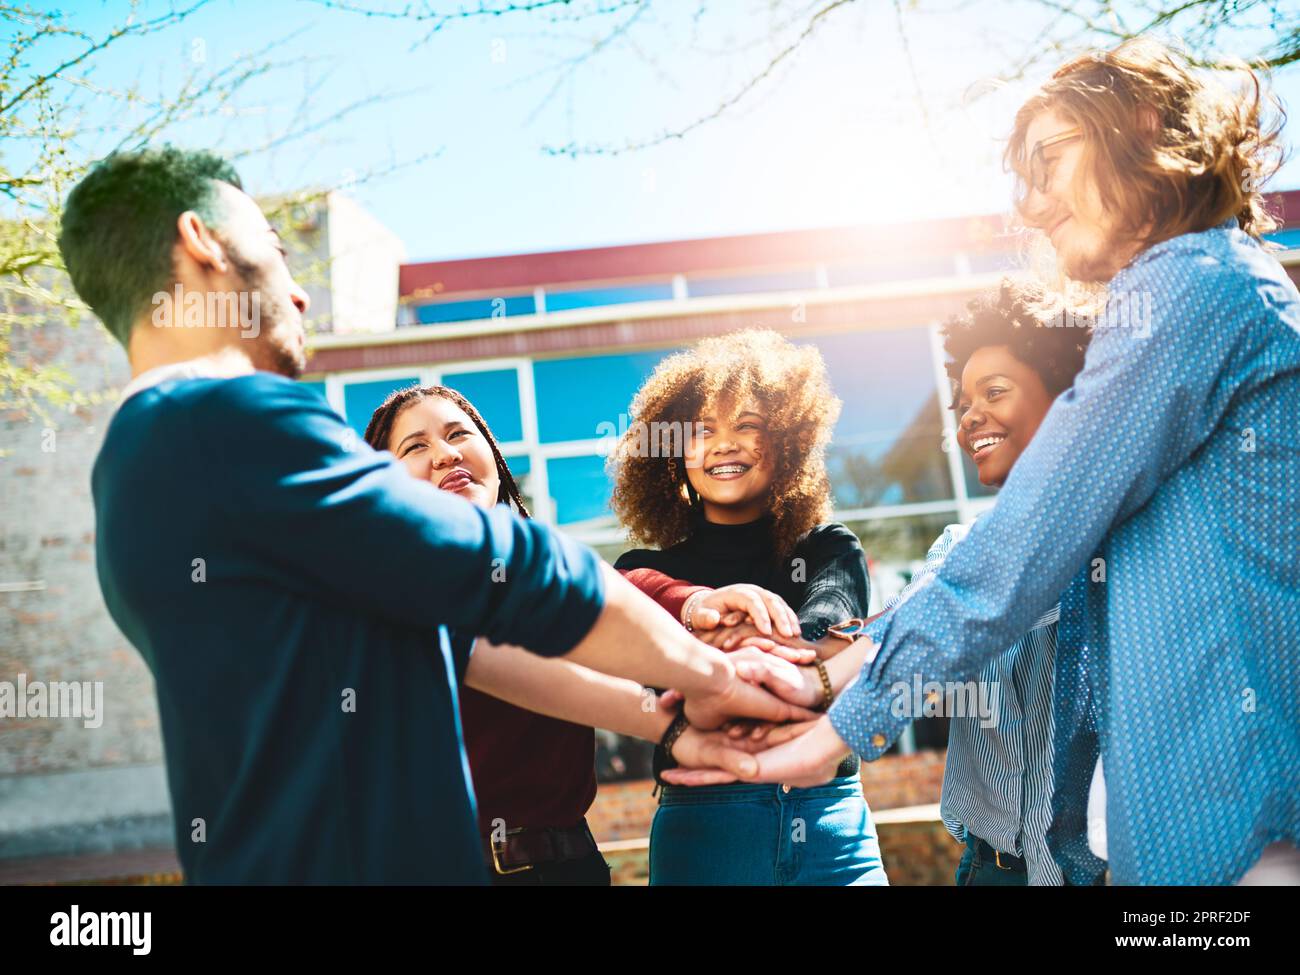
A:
x: 274, y: 347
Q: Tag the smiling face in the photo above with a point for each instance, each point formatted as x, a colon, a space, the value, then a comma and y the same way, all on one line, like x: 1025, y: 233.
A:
x: 1068, y: 207
x: 1002, y: 403
x: 439, y: 443
x: 727, y: 462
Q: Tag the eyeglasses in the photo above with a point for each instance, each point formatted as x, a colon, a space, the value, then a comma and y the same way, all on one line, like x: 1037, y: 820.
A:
x: 1039, y: 177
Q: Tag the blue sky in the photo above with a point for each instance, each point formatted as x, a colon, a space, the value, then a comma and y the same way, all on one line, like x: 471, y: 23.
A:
x: 836, y: 136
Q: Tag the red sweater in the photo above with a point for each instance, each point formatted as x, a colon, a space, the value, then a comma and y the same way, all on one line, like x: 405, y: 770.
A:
x: 530, y: 770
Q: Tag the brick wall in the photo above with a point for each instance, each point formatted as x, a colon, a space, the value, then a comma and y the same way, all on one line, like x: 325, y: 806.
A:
x: 918, y: 851
x: 622, y: 810
x: 62, y: 632
x: 895, y: 781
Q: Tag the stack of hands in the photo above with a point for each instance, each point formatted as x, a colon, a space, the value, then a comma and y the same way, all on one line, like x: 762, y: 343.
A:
x: 763, y: 725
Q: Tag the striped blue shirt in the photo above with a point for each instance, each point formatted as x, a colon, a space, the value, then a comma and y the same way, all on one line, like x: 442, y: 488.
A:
x: 997, y: 782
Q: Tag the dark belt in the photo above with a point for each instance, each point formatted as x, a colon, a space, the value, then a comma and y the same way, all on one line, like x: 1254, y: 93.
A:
x: 528, y: 847
x: 1003, y: 861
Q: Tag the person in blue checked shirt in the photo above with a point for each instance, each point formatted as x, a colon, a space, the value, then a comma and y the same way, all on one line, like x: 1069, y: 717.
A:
x: 1157, y: 502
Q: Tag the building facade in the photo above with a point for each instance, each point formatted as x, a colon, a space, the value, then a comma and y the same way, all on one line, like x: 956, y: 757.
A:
x: 551, y: 348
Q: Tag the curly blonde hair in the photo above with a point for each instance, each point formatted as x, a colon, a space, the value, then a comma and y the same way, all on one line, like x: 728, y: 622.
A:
x: 788, y: 381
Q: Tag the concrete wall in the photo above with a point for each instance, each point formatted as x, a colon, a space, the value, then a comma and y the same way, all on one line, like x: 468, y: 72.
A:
x: 65, y: 786
x: 365, y: 257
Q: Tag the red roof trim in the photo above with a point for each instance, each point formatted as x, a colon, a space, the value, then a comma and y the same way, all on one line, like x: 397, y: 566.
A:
x: 743, y: 253
x: 752, y: 252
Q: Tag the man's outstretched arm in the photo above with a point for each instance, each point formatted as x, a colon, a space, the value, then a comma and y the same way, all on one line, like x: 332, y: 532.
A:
x: 329, y: 513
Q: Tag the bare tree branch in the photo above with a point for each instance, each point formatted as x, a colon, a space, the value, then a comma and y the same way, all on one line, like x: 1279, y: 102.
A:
x: 425, y: 13
x: 1070, y: 26
x: 136, y: 30
x: 574, y: 150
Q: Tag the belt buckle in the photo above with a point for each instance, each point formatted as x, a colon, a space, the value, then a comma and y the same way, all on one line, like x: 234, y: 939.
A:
x: 498, y: 866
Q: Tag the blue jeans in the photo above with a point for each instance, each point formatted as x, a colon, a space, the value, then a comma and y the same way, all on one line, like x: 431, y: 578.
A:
x: 761, y: 834
x: 977, y: 869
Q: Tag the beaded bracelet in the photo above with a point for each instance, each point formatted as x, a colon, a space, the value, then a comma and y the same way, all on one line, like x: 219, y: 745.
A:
x: 688, y: 610
x: 828, y: 692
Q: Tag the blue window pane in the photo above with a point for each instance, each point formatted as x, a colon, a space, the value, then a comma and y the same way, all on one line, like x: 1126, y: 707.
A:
x: 495, y: 395
x: 888, y: 443
x: 1287, y: 238
x: 621, y: 295
x: 360, y: 400
x: 519, y: 465
x: 579, y: 488
x: 441, y: 312
x: 739, y: 284
x: 575, y: 396
x: 903, y: 269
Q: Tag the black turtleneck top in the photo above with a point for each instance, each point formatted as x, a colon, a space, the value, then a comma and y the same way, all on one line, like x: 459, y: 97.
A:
x: 824, y: 579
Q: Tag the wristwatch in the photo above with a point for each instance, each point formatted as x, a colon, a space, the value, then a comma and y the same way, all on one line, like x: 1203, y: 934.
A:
x: 849, y: 629
x: 663, y: 755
